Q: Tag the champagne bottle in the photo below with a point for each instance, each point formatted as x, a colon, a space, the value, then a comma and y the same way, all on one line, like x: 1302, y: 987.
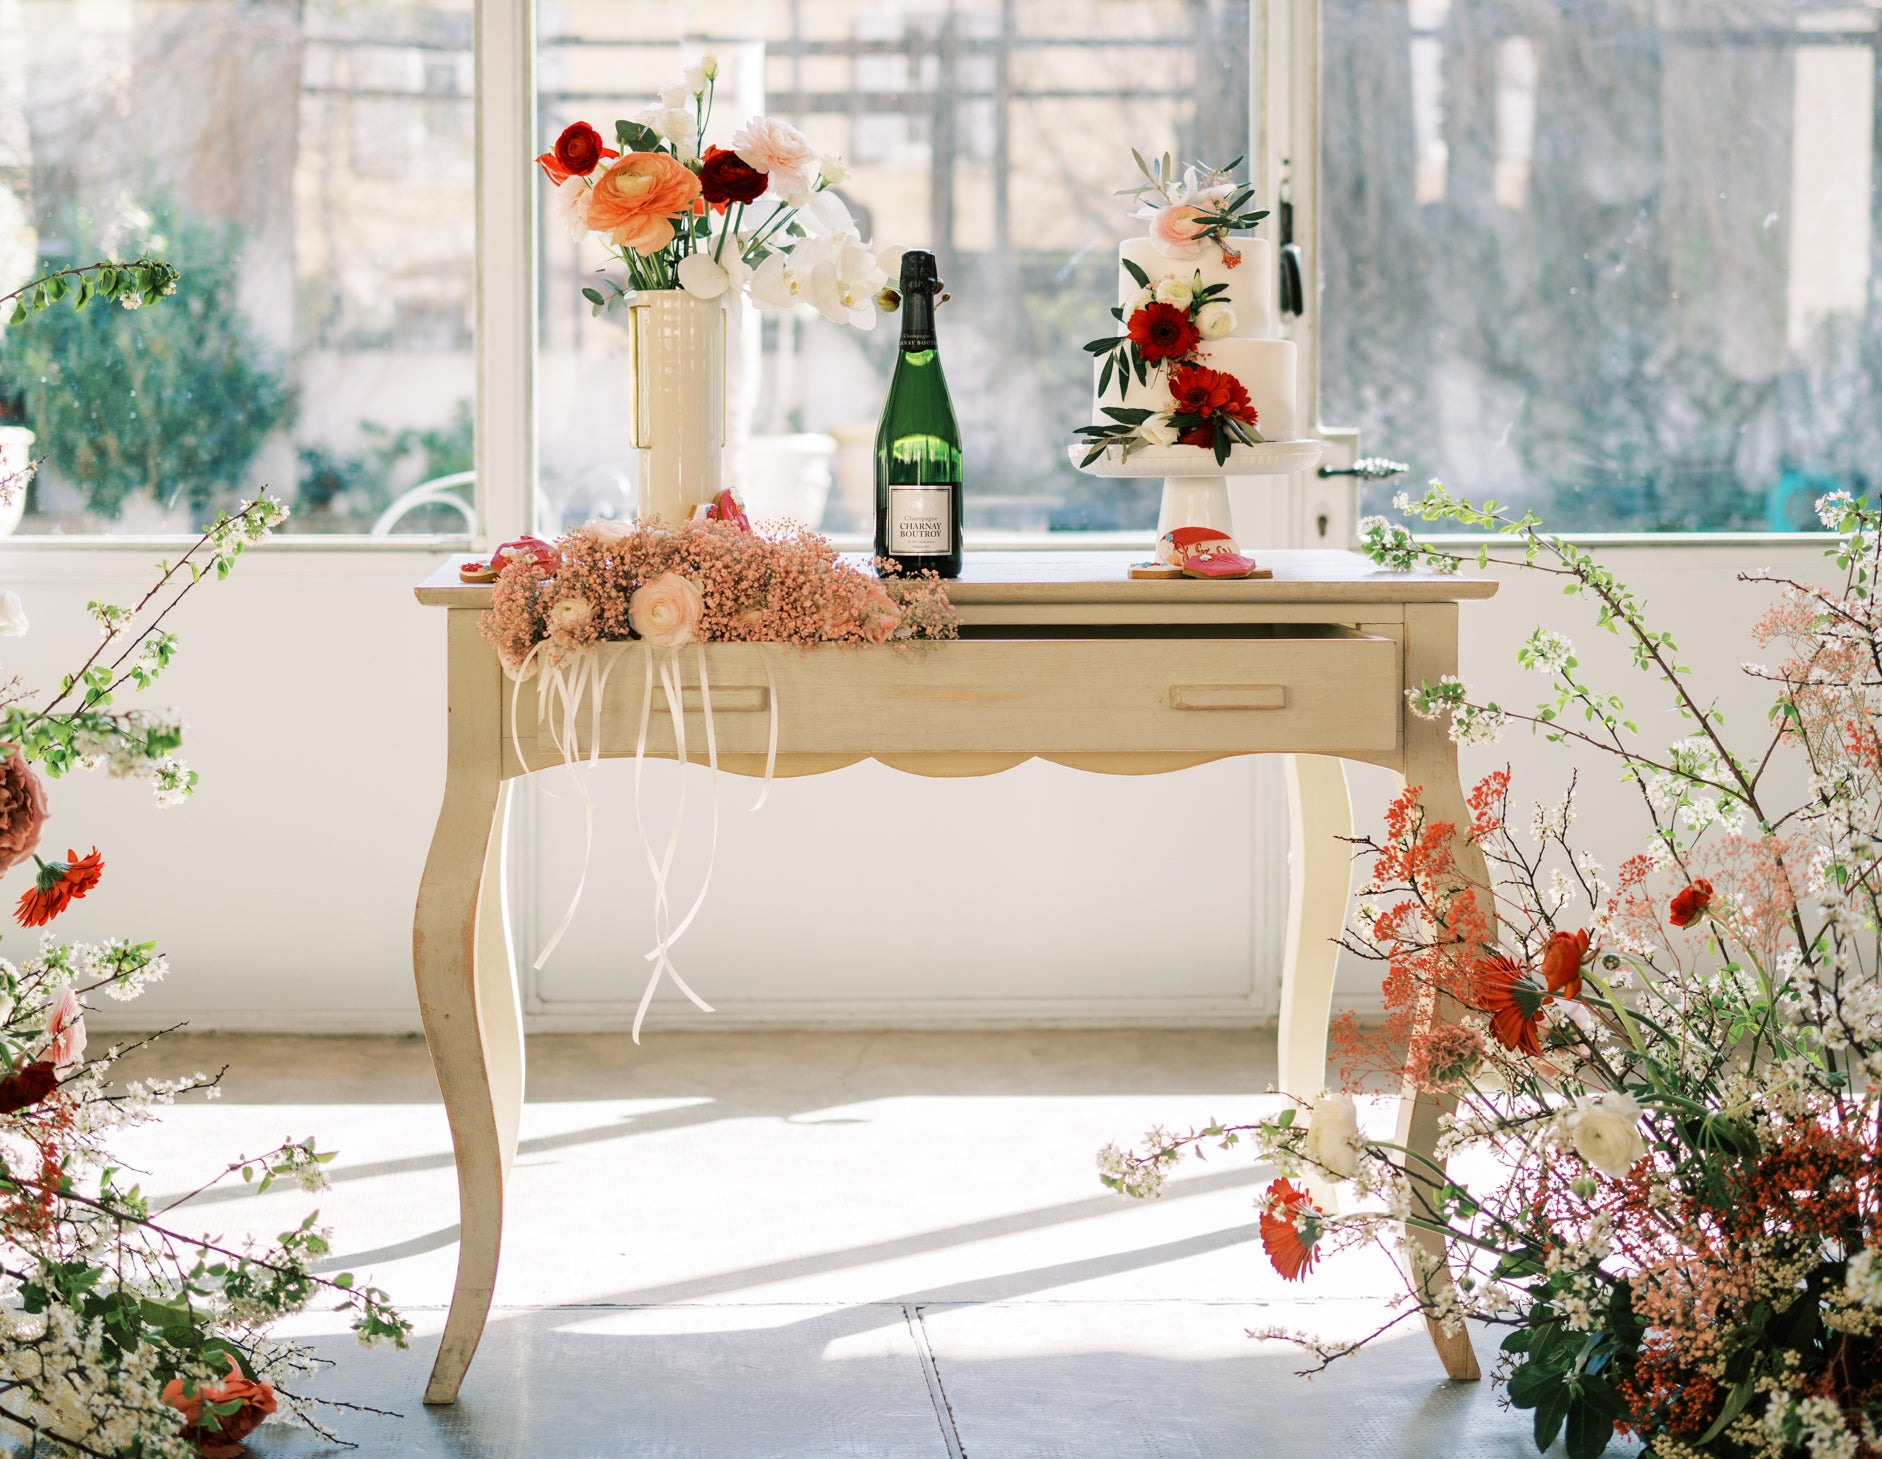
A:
x: 918, y: 447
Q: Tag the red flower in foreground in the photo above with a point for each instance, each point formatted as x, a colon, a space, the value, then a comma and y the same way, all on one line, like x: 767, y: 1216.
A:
x: 27, y: 1085
x: 725, y: 177
x: 1506, y: 991
x: 1561, y: 963
x: 1198, y: 390
x: 219, y: 1436
x: 57, y: 885
x: 1163, y: 332
x: 1690, y: 905
x: 578, y: 151
x: 1290, y: 1225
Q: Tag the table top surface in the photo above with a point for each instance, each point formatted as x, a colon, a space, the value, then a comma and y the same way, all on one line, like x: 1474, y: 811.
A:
x: 1312, y: 576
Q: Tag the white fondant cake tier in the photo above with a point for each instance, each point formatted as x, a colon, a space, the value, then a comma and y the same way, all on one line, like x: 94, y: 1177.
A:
x: 1251, y: 282
x: 1266, y: 368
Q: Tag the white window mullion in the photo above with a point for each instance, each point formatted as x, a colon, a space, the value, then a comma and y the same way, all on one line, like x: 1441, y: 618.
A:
x: 506, y: 287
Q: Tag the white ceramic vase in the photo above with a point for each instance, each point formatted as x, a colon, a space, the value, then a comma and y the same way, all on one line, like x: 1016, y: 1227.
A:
x: 676, y: 350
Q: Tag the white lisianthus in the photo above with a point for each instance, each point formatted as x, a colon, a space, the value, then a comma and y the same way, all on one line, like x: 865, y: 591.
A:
x: 1333, y: 1136
x: 675, y: 97
x: 1175, y: 291
x: 678, y: 125
x: 1157, y: 431
x: 12, y: 615
x: 709, y: 66
x: 571, y: 206
x: 694, y: 79
x: 1604, y: 1131
x: 1215, y: 319
x: 834, y: 171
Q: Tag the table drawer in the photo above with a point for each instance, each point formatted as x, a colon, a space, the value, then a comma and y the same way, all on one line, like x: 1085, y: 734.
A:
x: 1044, y: 696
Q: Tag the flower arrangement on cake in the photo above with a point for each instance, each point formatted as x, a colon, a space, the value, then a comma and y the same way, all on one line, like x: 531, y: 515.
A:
x: 1663, y: 1080
x: 1197, y: 331
x: 125, y: 1333
x: 654, y: 199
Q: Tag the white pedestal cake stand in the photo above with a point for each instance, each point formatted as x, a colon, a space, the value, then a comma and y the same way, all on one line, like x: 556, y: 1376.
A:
x: 1195, y: 488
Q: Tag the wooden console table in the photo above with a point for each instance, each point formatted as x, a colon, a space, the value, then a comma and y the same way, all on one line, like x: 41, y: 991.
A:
x: 1061, y: 658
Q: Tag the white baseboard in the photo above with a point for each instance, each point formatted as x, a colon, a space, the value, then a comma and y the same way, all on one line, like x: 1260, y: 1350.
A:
x: 936, y: 1014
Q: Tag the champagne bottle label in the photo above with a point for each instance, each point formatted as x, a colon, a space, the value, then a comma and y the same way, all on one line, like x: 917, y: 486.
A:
x: 921, y: 520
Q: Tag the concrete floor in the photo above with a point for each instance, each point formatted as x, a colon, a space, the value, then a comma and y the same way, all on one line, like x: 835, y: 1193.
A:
x: 761, y: 1245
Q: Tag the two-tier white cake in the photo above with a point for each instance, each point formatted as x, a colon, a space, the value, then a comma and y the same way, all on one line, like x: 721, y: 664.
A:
x: 1251, y: 350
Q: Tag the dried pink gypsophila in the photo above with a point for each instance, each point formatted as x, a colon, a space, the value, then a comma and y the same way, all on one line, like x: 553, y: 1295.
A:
x: 794, y: 588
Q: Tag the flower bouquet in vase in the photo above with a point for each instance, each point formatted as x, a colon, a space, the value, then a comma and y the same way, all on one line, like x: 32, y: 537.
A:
x: 693, y: 232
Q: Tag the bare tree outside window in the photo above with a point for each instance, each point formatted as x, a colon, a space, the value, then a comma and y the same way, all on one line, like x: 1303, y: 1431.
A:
x: 1609, y: 259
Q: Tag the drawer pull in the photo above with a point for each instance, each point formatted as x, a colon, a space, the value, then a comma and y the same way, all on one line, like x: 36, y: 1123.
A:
x: 1228, y: 696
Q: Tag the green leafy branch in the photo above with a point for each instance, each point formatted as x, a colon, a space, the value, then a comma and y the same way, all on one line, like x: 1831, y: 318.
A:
x: 132, y: 285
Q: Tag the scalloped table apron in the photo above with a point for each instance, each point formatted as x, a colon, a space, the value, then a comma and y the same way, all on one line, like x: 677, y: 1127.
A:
x: 1061, y: 657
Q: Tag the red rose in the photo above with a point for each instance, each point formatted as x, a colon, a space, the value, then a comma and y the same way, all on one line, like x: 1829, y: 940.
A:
x: 1690, y: 905
x: 1163, y: 332
x: 1198, y: 390
x: 725, y: 177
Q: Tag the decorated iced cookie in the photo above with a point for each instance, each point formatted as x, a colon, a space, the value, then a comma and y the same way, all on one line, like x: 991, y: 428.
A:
x: 1156, y: 570
x: 532, y: 547
x: 1177, y: 546
x: 725, y: 507
x: 476, y: 572
x: 1222, y: 565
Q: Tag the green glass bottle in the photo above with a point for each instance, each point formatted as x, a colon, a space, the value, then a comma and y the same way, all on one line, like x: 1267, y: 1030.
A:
x: 918, y: 447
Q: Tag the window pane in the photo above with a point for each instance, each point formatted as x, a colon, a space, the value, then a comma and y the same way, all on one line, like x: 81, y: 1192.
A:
x: 996, y: 134
x: 1608, y: 260
x: 308, y: 165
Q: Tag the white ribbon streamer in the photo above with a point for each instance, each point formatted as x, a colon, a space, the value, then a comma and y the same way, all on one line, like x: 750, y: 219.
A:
x: 560, y: 690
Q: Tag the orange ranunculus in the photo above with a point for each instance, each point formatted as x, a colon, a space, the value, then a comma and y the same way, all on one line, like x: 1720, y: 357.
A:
x: 1562, y: 960
x: 636, y: 200
x: 1290, y: 1226
x: 57, y: 885
x: 220, y: 1435
x: 1512, y: 997
x: 1690, y: 905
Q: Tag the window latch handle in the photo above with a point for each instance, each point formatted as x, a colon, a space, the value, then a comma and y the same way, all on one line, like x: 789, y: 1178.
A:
x: 1368, y: 468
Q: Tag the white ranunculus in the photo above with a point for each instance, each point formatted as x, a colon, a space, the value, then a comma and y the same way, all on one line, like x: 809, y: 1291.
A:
x: 13, y: 622
x: 1157, y: 431
x: 1332, y: 1136
x: 1139, y: 300
x: 1604, y: 1130
x: 1215, y: 319
x: 1175, y: 291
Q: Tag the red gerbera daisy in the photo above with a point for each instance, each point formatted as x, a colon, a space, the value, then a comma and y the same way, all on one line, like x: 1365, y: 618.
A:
x: 1506, y: 991
x: 57, y: 884
x: 1290, y: 1225
x: 1163, y: 332
x: 1198, y: 390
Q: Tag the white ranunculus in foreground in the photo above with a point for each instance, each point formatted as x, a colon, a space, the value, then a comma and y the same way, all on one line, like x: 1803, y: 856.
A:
x: 1157, y: 431
x: 1175, y: 291
x: 12, y: 615
x: 1604, y: 1129
x: 1332, y: 1136
x: 1215, y: 319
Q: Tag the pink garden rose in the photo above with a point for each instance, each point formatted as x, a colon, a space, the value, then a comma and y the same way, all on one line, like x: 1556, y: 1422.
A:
x: 67, y: 1028
x: 1174, y: 231
x: 880, y: 617
x: 779, y: 150
x: 22, y: 810
x: 666, y: 611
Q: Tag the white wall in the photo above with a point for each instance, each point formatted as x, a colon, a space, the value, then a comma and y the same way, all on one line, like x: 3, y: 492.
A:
x: 314, y: 688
